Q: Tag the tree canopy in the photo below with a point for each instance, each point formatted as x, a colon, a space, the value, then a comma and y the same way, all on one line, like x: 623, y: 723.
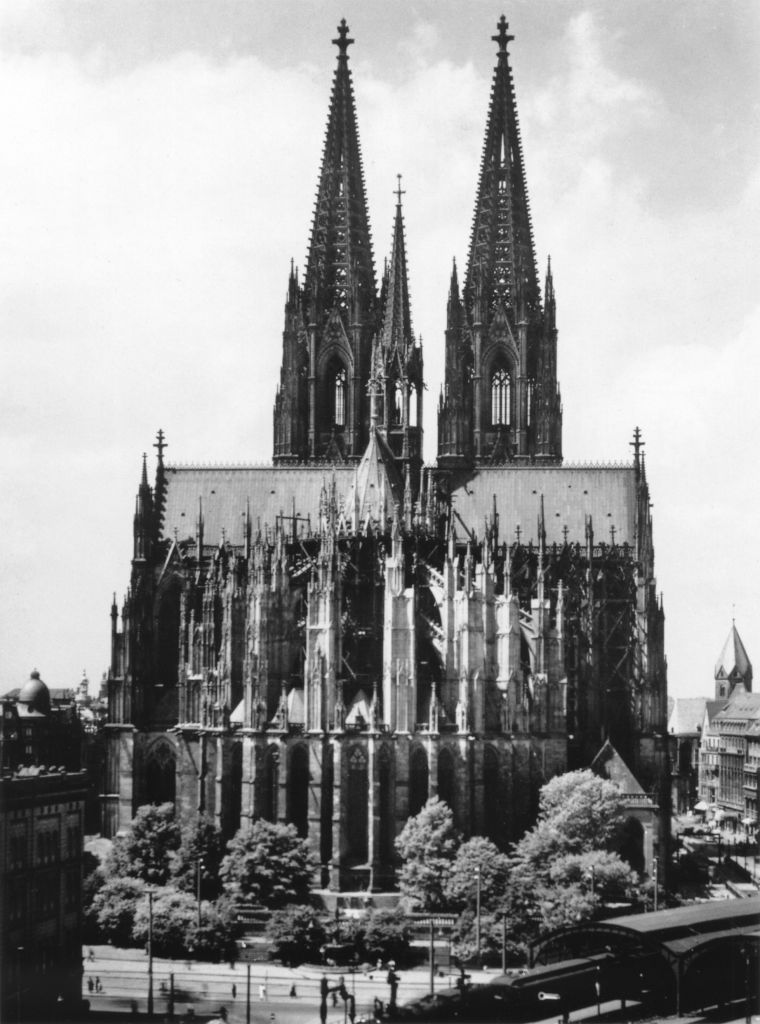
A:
x: 477, y: 855
x: 427, y: 845
x: 562, y: 869
x: 201, y: 844
x: 270, y: 864
x: 144, y: 850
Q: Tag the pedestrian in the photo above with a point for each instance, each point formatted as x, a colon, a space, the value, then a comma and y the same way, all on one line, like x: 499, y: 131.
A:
x: 234, y: 990
x: 90, y: 954
x: 98, y: 986
x: 90, y: 985
x: 293, y: 993
x: 262, y: 992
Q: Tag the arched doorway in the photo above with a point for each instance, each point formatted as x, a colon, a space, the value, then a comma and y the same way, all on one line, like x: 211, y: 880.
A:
x: 630, y: 844
x: 160, y: 773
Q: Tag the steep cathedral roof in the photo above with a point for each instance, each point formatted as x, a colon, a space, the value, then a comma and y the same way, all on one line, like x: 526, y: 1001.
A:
x: 340, y: 268
x: 502, y: 260
x: 376, y: 491
x: 571, y: 494
x: 733, y: 660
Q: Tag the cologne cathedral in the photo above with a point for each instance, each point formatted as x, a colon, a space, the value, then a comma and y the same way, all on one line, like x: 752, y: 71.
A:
x: 332, y: 639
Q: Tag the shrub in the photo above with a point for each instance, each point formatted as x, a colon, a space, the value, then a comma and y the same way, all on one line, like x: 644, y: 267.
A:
x: 296, y: 935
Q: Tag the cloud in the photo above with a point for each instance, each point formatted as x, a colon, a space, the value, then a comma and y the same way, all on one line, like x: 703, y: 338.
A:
x: 150, y: 211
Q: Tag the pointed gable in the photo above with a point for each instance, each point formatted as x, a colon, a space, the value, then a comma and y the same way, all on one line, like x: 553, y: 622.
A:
x: 608, y: 764
x: 377, y: 490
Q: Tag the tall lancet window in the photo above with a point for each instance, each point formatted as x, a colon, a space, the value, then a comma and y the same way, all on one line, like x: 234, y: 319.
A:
x: 500, y: 396
x: 398, y: 402
x: 339, y: 398
x: 413, y: 406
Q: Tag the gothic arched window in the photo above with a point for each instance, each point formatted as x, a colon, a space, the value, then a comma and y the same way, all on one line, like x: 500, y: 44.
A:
x: 413, y: 407
x: 339, y: 398
x: 500, y: 396
x: 398, y: 402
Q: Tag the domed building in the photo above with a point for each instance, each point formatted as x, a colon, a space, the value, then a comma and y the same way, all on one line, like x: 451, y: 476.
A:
x: 42, y: 818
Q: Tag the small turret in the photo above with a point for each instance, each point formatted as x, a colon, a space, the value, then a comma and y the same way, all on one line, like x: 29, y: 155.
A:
x: 143, y: 521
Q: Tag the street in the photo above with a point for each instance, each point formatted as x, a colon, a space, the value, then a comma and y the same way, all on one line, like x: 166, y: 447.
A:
x: 122, y: 976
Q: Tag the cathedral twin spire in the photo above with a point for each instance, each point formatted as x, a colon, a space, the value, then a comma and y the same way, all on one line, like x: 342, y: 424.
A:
x: 350, y: 360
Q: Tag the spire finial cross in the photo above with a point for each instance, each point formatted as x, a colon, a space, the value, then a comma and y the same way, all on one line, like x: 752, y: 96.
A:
x: 399, y: 191
x: 637, y: 444
x: 160, y: 444
x: 503, y: 38
x: 343, y: 42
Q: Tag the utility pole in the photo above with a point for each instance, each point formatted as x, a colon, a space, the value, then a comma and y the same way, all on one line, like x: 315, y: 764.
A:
x: 477, y: 914
x: 504, y: 943
x: 655, y: 879
x: 199, y: 871
x: 432, y: 958
x: 150, y: 954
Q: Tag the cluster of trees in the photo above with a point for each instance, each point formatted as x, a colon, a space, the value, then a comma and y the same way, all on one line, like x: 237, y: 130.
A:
x: 559, y: 873
x: 195, y: 882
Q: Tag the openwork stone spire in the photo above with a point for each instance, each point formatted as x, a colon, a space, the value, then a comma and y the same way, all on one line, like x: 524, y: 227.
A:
x: 340, y: 268
x: 397, y: 320
x: 502, y: 263
x: 501, y: 401
x: 401, y: 355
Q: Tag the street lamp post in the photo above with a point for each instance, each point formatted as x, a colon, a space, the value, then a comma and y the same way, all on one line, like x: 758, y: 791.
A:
x: 477, y: 913
x: 150, y: 953
x: 655, y: 879
x: 199, y: 872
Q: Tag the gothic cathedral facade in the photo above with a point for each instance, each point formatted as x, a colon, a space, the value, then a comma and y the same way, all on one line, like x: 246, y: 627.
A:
x: 332, y: 639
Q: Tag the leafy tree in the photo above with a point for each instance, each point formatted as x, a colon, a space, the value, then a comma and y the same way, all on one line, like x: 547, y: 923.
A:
x: 175, y: 921
x: 93, y: 881
x: 270, y: 864
x: 584, y: 808
x: 295, y: 935
x: 200, y: 841
x: 476, y: 854
x: 144, y: 849
x: 385, y: 935
x: 113, y: 908
x: 563, y: 868
x: 427, y: 844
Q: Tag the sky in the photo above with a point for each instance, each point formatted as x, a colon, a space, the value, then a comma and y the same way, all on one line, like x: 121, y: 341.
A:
x: 157, y: 175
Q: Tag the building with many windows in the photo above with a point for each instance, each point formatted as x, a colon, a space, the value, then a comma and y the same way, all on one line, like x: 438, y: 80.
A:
x: 42, y: 816
x: 729, y: 749
x: 332, y: 639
